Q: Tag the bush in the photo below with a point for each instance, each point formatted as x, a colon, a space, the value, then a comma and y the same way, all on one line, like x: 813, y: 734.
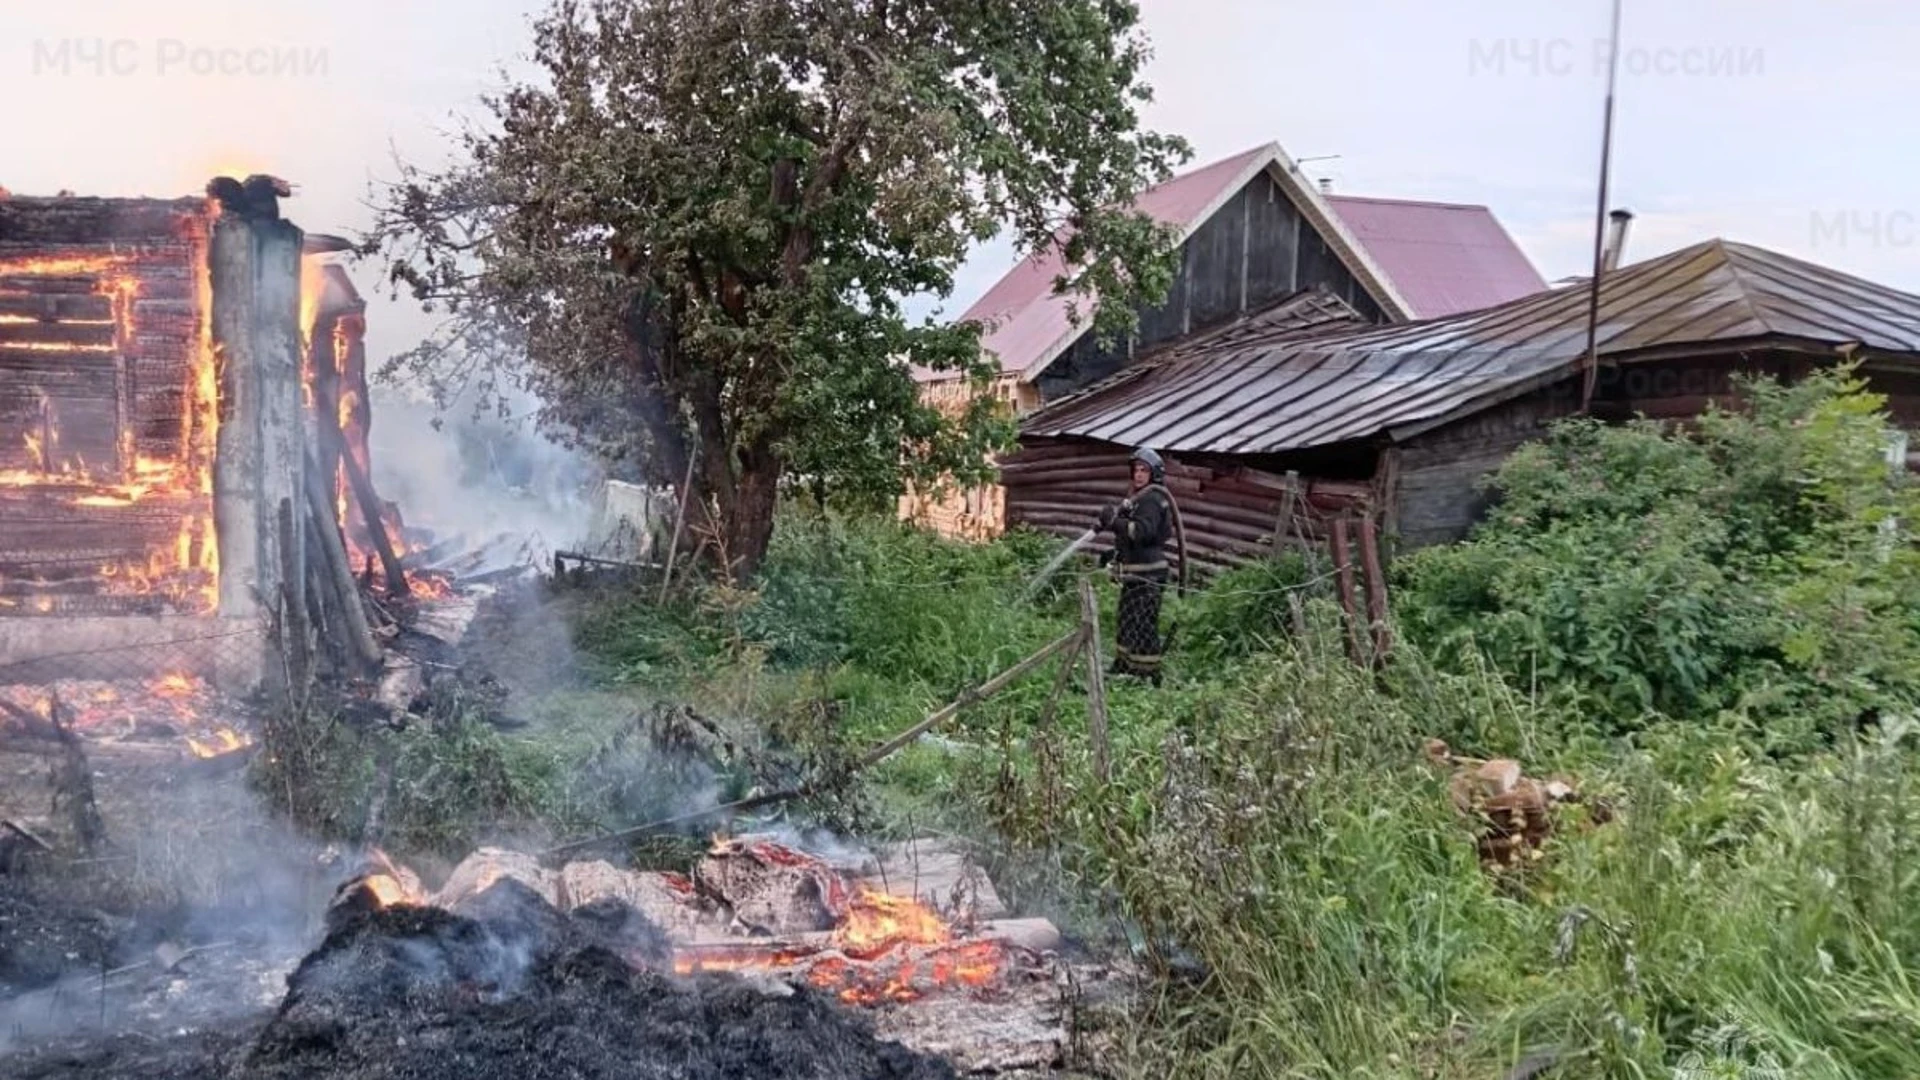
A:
x: 1760, y: 565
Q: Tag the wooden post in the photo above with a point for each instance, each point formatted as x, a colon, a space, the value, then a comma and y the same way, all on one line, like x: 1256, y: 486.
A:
x: 339, y: 572
x: 1376, y: 586
x: 1096, y: 684
x: 679, y: 521
x: 1338, y: 539
x: 369, y: 502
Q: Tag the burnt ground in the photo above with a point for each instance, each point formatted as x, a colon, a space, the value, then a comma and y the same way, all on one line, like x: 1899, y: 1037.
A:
x: 189, y: 914
x: 510, y: 988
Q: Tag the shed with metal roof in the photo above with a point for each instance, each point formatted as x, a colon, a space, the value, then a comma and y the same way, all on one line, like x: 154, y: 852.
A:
x: 1419, y: 412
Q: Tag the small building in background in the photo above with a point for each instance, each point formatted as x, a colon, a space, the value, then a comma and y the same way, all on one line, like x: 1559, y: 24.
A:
x: 1254, y: 233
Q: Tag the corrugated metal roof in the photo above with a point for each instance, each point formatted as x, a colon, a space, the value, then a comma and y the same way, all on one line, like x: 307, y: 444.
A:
x: 1028, y: 325
x: 1334, y: 387
x: 1445, y: 258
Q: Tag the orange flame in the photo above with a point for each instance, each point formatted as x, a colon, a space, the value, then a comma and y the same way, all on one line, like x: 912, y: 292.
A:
x: 877, y: 921
x: 186, y: 570
x: 223, y: 741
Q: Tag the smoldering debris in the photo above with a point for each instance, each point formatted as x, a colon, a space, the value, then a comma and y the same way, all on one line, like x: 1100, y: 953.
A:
x: 508, y: 987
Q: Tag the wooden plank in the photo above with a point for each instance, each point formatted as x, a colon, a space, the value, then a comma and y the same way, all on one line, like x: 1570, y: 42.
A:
x: 55, y: 306
x: 37, y: 362
x: 35, y: 220
x: 45, y: 284
x: 57, y: 333
x: 1096, y: 685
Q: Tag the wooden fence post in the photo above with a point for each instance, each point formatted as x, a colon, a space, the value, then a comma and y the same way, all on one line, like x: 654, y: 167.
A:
x: 1096, y: 684
x: 1338, y: 538
x: 1376, y: 587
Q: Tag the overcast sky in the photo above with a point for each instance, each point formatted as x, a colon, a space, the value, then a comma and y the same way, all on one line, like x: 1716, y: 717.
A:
x: 1781, y: 123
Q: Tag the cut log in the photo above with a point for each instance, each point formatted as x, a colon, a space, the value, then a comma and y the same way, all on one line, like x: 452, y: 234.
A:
x: 771, y: 889
x: 667, y: 899
x: 481, y: 869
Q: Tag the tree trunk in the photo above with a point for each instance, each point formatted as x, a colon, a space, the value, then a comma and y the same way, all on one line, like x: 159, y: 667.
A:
x: 748, y: 527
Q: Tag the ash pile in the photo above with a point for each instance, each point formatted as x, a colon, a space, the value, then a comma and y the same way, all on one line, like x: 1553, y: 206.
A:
x: 763, y: 959
x: 505, y: 984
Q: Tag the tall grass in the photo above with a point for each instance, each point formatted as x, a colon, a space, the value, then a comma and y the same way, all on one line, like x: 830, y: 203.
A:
x: 1275, y: 846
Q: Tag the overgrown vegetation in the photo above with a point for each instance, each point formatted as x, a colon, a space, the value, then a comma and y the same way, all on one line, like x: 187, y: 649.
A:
x: 1712, y: 631
x: 1752, y: 574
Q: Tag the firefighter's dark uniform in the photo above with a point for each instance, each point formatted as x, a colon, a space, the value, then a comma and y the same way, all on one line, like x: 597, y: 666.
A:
x: 1139, y: 563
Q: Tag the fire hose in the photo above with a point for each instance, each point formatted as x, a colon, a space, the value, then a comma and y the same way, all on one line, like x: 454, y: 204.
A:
x: 1085, y: 538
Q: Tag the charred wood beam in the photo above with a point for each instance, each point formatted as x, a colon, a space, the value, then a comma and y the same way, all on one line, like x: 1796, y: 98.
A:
x: 369, y: 502
x: 337, y: 575
x: 36, y: 220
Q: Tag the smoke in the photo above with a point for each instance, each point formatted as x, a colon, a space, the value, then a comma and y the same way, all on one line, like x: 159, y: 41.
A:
x: 481, y: 475
x: 202, y: 907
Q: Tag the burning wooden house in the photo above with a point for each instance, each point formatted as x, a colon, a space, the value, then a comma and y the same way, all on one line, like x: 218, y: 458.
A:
x: 182, y: 425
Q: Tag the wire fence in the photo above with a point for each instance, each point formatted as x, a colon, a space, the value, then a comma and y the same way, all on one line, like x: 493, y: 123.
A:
x: 209, y: 654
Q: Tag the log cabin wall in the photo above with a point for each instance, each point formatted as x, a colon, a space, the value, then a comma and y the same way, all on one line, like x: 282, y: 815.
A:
x: 102, y: 452
x: 1232, y: 508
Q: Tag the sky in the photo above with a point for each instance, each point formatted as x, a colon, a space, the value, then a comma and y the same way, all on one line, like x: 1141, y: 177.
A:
x: 1785, y: 124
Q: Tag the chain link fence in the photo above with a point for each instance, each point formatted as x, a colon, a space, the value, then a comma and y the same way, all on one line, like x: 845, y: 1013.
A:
x: 220, y: 652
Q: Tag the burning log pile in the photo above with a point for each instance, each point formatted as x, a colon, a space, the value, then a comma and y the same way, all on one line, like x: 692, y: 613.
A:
x: 510, y: 968
x: 504, y: 984
x: 915, y: 936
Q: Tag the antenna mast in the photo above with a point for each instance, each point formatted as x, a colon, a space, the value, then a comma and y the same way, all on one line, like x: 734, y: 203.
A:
x: 1600, y: 217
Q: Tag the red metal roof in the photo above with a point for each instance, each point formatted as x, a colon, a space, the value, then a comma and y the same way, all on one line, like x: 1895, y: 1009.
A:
x: 1028, y: 325
x: 1445, y: 258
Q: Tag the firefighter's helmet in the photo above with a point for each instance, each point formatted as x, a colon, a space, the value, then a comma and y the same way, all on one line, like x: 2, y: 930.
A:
x: 1155, y: 467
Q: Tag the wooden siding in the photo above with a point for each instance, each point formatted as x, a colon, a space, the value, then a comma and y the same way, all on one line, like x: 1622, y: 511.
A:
x: 1256, y: 249
x: 1436, y: 492
x: 973, y: 513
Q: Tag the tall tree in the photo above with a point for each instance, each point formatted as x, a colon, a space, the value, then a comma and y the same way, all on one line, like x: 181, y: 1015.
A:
x: 693, y: 234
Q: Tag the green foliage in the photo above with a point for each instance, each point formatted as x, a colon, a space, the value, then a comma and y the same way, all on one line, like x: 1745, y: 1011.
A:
x: 1280, y: 850
x: 1760, y: 566
x: 442, y: 788
x: 1242, y: 612
x: 693, y: 233
x: 1273, y: 844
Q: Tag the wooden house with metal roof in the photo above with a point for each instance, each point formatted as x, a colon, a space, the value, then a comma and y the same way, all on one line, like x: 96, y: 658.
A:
x: 1390, y: 428
x: 1253, y: 232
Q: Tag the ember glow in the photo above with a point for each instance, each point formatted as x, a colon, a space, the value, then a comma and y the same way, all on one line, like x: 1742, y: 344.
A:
x: 882, y: 948
x: 175, y: 706
x: 179, y: 571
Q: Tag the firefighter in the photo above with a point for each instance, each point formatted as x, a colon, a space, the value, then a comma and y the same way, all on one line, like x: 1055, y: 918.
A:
x: 1141, y: 525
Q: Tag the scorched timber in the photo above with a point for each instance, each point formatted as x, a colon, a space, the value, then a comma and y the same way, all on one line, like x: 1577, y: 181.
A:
x: 55, y: 307
x: 42, y: 223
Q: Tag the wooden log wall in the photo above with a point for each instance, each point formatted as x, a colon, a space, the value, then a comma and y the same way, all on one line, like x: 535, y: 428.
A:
x: 1231, y: 511
x: 99, y: 331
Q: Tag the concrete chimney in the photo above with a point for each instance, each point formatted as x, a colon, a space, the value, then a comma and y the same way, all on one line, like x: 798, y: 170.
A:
x: 1616, y: 238
x: 1326, y: 185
